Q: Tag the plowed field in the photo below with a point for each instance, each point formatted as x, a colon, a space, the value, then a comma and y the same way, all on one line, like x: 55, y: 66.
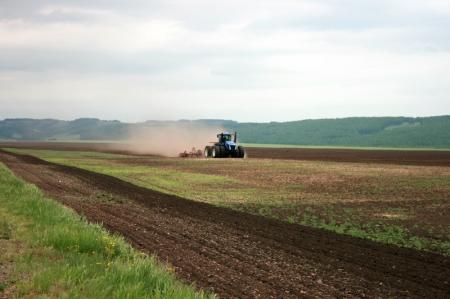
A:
x: 402, y: 157
x: 236, y: 254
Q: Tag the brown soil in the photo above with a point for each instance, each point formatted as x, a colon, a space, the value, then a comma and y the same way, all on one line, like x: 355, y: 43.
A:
x: 236, y: 254
x: 420, y: 157
x: 71, y: 146
x: 402, y: 157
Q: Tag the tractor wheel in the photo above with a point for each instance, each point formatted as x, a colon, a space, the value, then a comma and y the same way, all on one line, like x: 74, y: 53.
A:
x: 241, y: 152
x: 234, y: 154
x: 215, y: 152
x: 207, y: 152
x: 223, y: 151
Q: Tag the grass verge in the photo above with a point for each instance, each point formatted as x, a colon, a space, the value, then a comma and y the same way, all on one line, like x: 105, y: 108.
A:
x: 54, y: 253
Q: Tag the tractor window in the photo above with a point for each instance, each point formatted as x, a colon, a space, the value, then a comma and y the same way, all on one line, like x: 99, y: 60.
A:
x: 226, y: 137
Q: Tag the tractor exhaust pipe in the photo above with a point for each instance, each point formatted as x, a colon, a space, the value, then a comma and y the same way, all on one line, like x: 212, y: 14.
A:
x: 235, y: 136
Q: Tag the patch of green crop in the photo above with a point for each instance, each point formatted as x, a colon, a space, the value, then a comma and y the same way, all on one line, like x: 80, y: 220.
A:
x: 427, y: 183
x: 63, y: 256
x: 347, y: 221
x: 376, y: 231
x: 5, y: 230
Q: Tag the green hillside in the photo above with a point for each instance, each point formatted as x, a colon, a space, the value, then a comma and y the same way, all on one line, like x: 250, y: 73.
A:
x: 358, y: 131
x: 433, y: 132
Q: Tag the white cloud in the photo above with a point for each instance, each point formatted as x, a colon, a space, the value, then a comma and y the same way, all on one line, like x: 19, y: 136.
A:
x: 253, y: 60
x: 111, y: 35
x: 73, y: 10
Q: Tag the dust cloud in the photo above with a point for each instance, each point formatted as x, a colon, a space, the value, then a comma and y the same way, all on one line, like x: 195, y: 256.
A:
x: 168, y: 141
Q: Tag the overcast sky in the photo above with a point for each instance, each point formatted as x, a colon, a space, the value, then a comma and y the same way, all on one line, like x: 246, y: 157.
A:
x: 248, y: 60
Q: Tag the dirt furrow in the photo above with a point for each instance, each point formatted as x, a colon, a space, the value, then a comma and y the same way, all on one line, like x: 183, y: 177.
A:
x: 166, y: 243
x: 230, y: 260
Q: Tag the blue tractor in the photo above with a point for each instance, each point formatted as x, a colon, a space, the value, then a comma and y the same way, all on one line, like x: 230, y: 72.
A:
x: 225, y: 147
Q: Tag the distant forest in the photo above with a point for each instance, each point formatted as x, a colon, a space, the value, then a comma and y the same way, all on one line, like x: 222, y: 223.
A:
x: 428, y: 132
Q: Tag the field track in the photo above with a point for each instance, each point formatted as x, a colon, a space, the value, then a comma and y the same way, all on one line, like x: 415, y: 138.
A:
x: 407, y: 157
x: 235, y: 254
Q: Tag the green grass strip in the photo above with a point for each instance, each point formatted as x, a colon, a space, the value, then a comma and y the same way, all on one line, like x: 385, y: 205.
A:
x: 63, y: 256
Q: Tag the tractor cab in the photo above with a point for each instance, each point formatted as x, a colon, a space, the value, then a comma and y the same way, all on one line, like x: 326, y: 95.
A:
x: 226, y: 137
x: 227, y: 140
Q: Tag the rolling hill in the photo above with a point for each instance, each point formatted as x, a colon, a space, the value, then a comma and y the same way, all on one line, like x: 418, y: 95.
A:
x: 432, y: 132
